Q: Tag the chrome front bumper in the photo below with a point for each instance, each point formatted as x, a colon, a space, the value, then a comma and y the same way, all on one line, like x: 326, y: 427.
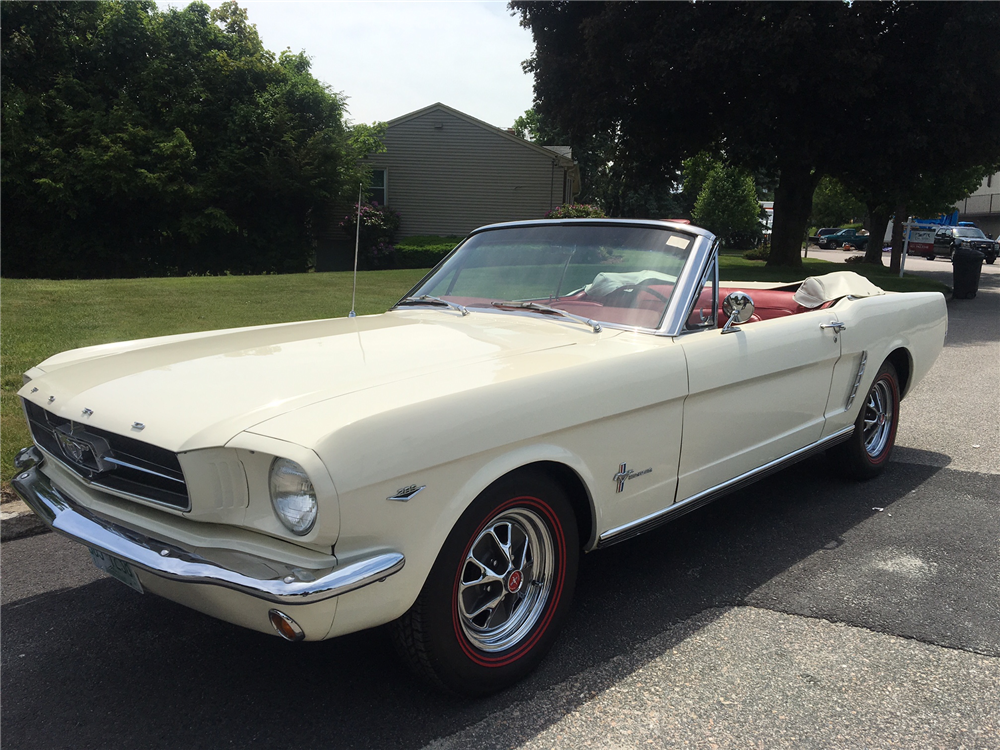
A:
x: 288, y: 585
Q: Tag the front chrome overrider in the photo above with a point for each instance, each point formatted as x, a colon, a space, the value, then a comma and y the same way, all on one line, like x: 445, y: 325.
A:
x: 288, y: 584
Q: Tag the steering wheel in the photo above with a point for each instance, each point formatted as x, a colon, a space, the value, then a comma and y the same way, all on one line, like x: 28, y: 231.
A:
x: 624, y: 292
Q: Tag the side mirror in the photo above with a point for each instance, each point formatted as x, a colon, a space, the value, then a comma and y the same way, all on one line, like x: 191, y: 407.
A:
x: 739, y: 307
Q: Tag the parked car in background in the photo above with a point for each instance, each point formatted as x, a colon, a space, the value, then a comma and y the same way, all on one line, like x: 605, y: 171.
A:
x: 550, y: 389
x: 821, y: 234
x: 845, y: 237
x: 949, y: 239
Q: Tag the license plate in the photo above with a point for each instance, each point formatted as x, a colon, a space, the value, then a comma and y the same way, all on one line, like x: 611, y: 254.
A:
x: 116, y: 568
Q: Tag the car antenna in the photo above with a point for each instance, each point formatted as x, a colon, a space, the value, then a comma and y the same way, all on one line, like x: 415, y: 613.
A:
x: 357, y: 239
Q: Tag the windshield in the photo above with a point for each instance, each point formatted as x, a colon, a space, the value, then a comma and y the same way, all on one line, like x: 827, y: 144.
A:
x: 969, y: 232
x: 616, y: 274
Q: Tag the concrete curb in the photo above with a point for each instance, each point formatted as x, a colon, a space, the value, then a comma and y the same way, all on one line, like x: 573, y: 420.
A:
x: 17, y: 521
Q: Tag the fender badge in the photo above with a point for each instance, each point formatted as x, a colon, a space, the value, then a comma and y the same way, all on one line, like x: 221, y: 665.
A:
x: 405, y: 493
x: 88, y: 412
x: 138, y: 426
x: 625, y: 473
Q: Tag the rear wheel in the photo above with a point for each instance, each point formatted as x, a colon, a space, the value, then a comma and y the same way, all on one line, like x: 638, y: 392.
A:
x: 499, y: 591
x: 865, y: 454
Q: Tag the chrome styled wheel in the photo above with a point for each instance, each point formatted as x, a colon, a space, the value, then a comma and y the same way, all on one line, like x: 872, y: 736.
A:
x: 506, y: 580
x: 499, y: 591
x: 878, y: 417
x: 866, y: 452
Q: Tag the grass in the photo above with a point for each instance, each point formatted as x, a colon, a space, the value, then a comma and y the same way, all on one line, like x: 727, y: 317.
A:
x: 41, y: 318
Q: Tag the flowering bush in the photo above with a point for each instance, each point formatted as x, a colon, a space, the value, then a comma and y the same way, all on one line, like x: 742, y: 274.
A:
x: 575, y: 211
x: 378, y: 231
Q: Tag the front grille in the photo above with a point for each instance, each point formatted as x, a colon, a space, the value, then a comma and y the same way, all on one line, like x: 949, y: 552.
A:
x: 111, y: 461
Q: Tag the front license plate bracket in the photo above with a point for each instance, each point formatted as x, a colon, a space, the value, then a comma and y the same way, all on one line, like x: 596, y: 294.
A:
x: 116, y: 568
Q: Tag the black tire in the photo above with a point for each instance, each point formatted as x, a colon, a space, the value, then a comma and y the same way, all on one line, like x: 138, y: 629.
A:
x: 990, y: 260
x: 865, y: 454
x: 524, y: 524
x: 834, y: 245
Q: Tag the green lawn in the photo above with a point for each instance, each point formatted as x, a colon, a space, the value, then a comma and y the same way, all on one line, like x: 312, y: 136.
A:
x: 40, y: 318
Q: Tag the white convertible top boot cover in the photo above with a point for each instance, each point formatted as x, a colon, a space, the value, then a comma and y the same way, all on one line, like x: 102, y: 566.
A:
x: 817, y: 290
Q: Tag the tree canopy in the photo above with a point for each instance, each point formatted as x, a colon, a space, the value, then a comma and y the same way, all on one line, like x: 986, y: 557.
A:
x: 144, y: 142
x: 798, y: 90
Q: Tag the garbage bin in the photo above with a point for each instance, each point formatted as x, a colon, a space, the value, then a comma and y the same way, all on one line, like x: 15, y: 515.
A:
x: 966, y: 264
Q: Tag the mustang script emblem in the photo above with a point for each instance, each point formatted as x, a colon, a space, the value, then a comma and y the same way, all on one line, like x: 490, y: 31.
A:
x: 625, y: 473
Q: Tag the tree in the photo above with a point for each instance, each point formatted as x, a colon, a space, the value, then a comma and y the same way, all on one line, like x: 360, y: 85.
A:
x: 834, y: 205
x: 140, y: 142
x: 606, y: 179
x: 727, y: 206
x: 667, y: 80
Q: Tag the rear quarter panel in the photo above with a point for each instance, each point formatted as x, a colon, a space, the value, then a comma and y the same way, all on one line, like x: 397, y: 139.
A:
x: 915, y: 322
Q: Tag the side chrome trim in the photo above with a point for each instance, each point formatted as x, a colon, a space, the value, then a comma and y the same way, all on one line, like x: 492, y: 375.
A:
x: 857, y: 380
x: 646, y: 523
x: 286, y: 584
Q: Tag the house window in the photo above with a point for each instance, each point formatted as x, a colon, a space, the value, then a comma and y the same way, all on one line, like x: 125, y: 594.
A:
x: 379, y: 190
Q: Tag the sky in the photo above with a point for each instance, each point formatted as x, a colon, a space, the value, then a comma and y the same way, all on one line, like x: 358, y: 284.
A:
x: 392, y: 58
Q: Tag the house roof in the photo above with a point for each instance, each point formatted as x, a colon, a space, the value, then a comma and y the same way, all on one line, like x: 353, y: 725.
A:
x: 562, y: 154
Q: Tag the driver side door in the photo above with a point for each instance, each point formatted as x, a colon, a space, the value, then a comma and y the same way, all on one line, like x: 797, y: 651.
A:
x: 755, y: 394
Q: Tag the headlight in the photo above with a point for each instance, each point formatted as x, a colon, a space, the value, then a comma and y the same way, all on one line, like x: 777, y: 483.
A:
x: 292, y: 496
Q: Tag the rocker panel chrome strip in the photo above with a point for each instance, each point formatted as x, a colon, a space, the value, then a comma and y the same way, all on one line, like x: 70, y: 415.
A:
x: 642, y: 525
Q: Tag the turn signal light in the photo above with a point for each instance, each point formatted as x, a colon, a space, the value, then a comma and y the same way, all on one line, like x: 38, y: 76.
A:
x: 285, y: 626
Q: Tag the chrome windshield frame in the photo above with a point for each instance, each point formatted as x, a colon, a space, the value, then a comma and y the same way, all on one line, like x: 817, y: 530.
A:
x: 703, y: 251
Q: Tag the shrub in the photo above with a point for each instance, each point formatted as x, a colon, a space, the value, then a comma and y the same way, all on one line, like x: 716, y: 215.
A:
x: 575, y: 211
x: 379, y: 225
x: 758, y: 253
x: 423, y: 251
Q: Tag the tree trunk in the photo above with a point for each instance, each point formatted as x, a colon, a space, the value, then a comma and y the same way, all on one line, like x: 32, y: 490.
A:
x: 897, y: 238
x: 792, y: 205
x: 879, y: 216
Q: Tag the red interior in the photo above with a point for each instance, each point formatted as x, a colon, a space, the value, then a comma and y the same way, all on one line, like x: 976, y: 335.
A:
x: 643, y: 309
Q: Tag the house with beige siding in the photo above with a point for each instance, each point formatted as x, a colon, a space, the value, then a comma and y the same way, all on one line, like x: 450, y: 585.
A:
x: 447, y: 173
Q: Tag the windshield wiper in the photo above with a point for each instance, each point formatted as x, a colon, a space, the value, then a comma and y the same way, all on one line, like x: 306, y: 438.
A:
x: 550, y: 310
x: 430, y: 300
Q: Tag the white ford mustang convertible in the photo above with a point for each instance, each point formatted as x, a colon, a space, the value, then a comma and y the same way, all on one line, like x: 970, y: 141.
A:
x: 551, y: 388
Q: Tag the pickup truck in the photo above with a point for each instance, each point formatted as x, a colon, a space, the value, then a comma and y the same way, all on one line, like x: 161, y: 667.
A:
x: 821, y: 234
x: 845, y: 237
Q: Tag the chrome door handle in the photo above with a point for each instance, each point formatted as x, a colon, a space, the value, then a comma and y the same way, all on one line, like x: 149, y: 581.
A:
x: 835, y: 325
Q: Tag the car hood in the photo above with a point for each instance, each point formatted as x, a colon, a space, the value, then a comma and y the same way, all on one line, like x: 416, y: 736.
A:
x: 199, y: 390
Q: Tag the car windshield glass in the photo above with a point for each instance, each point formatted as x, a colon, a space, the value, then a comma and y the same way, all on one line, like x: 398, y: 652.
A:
x: 617, y: 274
x: 969, y: 232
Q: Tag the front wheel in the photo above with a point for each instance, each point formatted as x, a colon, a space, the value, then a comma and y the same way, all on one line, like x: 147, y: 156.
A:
x: 865, y: 454
x: 499, y: 591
